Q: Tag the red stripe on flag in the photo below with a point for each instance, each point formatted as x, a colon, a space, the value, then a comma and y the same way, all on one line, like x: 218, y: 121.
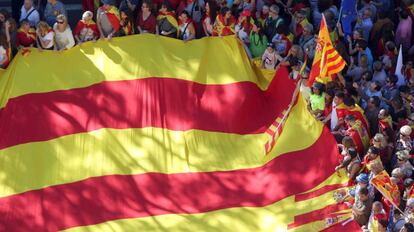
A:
x: 153, y: 102
x: 319, y: 192
x: 104, y: 198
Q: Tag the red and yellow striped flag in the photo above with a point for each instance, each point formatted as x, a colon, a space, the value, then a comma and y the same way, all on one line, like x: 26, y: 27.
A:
x: 327, y: 60
x: 168, y: 138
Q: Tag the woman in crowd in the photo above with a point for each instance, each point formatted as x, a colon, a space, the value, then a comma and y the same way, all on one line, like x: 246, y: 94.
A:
x: 167, y: 24
x: 257, y: 41
x: 26, y: 36
x: 86, y: 29
x: 146, y: 22
x: 209, y: 17
x: 127, y: 23
x: 63, y: 34
x: 225, y: 23
x: 186, y: 26
x: 45, y: 36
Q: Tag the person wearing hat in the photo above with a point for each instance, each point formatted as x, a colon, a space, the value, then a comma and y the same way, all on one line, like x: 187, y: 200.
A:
x: 270, y: 58
x: 52, y: 10
x: 405, y: 142
x: 108, y: 19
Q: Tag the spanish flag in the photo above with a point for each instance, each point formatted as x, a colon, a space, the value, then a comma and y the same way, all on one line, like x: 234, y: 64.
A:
x: 170, y: 138
x: 327, y: 61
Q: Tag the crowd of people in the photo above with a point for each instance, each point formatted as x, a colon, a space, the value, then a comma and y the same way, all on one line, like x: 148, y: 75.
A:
x: 369, y: 106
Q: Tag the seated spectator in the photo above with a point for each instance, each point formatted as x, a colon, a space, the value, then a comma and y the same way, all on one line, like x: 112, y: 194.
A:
x: 258, y: 41
x: 26, y: 36
x: 86, y: 29
x: 186, y: 26
x: 146, y: 22
x: 52, y: 10
x: 45, y: 36
x: 127, y: 23
x: 225, y: 23
x: 167, y: 24
x: 29, y: 13
x: 108, y: 19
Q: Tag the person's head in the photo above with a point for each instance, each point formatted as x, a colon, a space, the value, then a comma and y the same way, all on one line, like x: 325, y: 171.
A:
x: 308, y: 30
x: 373, y: 152
x: 390, y: 46
x: 317, y: 88
x: 377, y: 207
x: 367, y: 13
x: 403, y: 14
x: 25, y: 25
x: 339, y: 97
x: 410, y: 119
x: 408, y: 183
x: 87, y: 16
x: 397, y: 103
x: 146, y: 7
x: 374, y: 101
x: 357, y: 34
x: 184, y: 16
x: 397, y: 173
x: 274, y: 11
x: 366, y: 75
x: 300, y: 16
x: 383, y: 113
x: 350, y: 120
x: 294, y: 63
x: 352, y: 153
x: 361, y: 45
x: 408, y: 227
x: 211, y: 9
x: 61, y: 21
x: 349, y: 101
x: 363, y: 194
x: 226, y: 12
x: 265, y: 10
x: 347, y: 142
x: 405, y: 133
x: 391, y: 80
x: 28, y: 4
x: 363, y: 62
x: 52, y: 1
x: 362, y: 179
x: 43, y: 27
x: 244, y: 15
x: 4, y: 15
x: 108, y: 2
x: 270, y: 48
x: 165, y: 7
x: 377, y: 66
x: 324, y: 5
x: 379, y: 141
x: 404, y: 91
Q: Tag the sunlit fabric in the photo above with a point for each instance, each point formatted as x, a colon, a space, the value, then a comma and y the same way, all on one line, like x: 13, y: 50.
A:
x: 148, y: 133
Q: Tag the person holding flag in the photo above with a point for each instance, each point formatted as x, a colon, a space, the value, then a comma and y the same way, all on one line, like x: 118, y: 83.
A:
x: 327, y: 60
x: 108, y: 19
x: 167, y: 24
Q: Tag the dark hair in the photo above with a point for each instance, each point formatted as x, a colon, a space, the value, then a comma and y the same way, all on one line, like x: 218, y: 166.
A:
x: 167, y: 5
x: 368, y: 74
x: 393, y: 78
x: 282, y: 29
x: 185, y: 13
x: 224, y: 10
x: 376, y: 100
x: 409, y: 227
x: 408, y: 182
x: 403, y: 14
x: 349, y: 101
x: 364, y: 191
x: 374, y: 150
x: 404, y: 89
x: 213, y: 10
x: 324, y: 5
x: 352, y: 152
x: 362, y: 44
x: 340, y: 94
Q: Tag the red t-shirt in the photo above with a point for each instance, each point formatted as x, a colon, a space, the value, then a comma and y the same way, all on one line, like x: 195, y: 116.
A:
x: 149, y: 24
x: 25, y: 39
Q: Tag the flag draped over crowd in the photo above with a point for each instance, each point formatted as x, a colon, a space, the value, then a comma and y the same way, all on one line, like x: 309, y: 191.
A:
x: 149, y: 133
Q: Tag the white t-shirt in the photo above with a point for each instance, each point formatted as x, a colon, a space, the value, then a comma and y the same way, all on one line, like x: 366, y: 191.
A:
x: 49, y: 36
x: 64, y: 40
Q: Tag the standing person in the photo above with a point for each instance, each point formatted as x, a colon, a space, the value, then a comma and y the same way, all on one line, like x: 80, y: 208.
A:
x: 362, y: 207
x: 26, y: 36
x: 258, y: 41
x: 167, y: 24
x: 209, y: 17
x: 86, y: 29
x: 404, y: 31
x: 52, y: 10
x: 272, y: 22
x: 29, y: 13
x: 270, y: 58
x: 146, y: 22
x: 244, y: 26
x: 108, y: 19
x: 225, y: 23
x: 186, y: 26
x: 130, y: 5
x: 63, y: 34
x: 45, y: 36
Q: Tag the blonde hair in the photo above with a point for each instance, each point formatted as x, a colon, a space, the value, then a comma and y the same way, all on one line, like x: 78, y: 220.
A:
x: 43, y: 27
x: 62, y: 17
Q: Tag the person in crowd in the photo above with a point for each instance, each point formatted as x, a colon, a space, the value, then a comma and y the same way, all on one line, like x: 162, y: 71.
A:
x: 45, y: 36
x: 52, y: 10
x: 270, y: 59
x: 86, y: 29
x: 26, y: 36
x: 404, y: 31
x: 127, y: 26
x: 404, y: 141
x: 129, y: 5
x: 5, y: 46
x: 272, y: 22
x: 244, y: 26
x: 63, y: 34
x: 362, y: 207
x: 167, y: 24
x: 108, y: 19
x: 257, y: 41
x: 225, y: 23
x: 29, y: 13
x: 307, y: 41
x: 317, y: 99
x: 365, y: 23
x: 146, y: 21
x: 210, y: 15
x: 186, y: 27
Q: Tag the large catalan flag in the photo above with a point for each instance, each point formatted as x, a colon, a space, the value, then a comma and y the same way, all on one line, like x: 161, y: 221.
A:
x: 149, y: 133
x: 327, y: 60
